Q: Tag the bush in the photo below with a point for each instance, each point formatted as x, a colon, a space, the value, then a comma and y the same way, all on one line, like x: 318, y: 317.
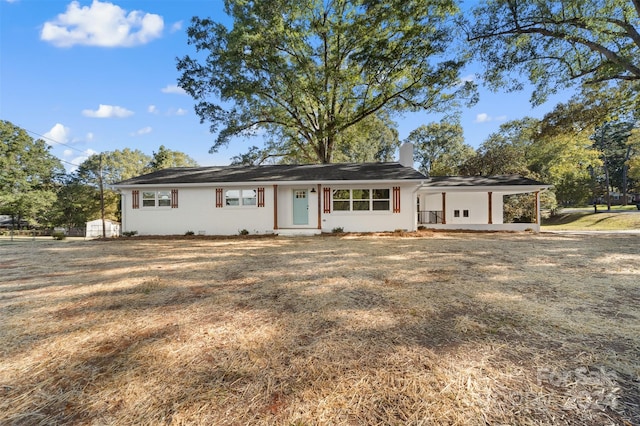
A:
x: 338, y: 230
x: 189, y: 233
x: 58, y: 236
x: 243, y: 232
x: 130, y: 233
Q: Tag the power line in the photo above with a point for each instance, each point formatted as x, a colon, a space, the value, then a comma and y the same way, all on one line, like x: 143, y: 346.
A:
x: 53, y: 140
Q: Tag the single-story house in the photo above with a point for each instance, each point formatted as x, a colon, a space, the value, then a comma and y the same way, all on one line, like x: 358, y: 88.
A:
x: 94, y: 228
x: 310, y: 199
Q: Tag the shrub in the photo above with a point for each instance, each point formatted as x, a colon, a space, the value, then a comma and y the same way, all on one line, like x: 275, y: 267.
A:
x: 422, y: 228
x: 338, y: 230
x: 58, y: 235
x: 130, y: 233
x: 189, y: 233
x: 243, y: 232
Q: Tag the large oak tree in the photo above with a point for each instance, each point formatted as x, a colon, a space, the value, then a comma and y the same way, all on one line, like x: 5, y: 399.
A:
x: 307, y: 70
x: 557, y: 43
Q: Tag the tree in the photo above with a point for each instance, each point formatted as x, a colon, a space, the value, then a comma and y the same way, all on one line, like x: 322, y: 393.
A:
x: 306, y: 71
x: 29, y: 175
x: 557, y: 43
x: 440, y: 148
x: 165, y: 158
x: 504, y: 152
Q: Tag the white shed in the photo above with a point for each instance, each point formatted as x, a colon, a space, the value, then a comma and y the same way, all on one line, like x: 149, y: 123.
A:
x: 94, y: 228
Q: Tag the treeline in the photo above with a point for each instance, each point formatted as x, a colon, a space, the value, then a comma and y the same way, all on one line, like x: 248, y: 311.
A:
x: 36, y: 190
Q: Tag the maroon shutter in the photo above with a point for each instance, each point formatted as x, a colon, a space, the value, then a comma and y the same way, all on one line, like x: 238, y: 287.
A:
x: 327, y: 200
x: 135, y: 199
x: 260, y: 197
x: 219, y: 197
x: 174, y: 198
x: 396, y: 199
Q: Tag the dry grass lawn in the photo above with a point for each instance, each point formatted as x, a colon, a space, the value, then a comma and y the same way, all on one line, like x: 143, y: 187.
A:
x: 439, y: 328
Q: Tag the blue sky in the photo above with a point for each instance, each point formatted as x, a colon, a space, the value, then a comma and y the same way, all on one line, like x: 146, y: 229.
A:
x: 93, y: 76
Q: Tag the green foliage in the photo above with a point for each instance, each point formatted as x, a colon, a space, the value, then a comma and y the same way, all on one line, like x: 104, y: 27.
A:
x: 337, y: 230
x: 243, y: 232
x: 29, y: 176
x: 58, y: 236
x: 165, y: 158
x: 440, y: 148
x: 556, y: 42
x: 129, y: 233
x: 306, y: 72
x: 189, y: 233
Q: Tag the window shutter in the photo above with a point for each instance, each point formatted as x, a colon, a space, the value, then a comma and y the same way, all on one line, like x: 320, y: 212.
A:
x: 396, y: 199
x: 327, y: 200
x: 260, y: 197
x: 219, y: 197
x: 135, y: 199
x: 174, y: 198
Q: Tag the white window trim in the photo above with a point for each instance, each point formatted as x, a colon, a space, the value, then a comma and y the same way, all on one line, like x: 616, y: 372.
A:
x: 370, y: 200
x: 156, y: 199
x: 240, y: 198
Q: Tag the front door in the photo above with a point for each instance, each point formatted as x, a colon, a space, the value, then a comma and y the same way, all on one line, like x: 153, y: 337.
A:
x: 300, y: 207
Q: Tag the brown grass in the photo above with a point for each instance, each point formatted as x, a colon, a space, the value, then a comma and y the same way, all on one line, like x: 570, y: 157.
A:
x: 443, y: 328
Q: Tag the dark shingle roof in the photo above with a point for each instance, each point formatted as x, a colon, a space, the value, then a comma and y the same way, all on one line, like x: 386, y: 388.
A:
x: 278, y: 173
x: 462, y: 181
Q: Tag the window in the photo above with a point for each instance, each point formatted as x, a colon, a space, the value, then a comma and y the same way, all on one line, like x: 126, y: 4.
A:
x: 465, y: 213
x: 159, y: 198
x: 361, y: 199
x: 456, y: 213
x: 148, y: 199
x: 240, y: 197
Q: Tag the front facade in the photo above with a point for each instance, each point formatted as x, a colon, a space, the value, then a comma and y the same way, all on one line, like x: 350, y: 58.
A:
x: 310, y: 199
x: 271, y: 199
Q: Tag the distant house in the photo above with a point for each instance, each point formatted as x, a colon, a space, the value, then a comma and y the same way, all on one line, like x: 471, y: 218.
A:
x: 310, y: 199
x: 94, y: 229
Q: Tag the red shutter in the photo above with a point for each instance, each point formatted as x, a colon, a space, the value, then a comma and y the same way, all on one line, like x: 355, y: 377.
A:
x: 219, y: 197
x: 396, y: 199
x: 174, y: 198
x: 135, y: 199
x: 327, y: 200
x: 260, y: 197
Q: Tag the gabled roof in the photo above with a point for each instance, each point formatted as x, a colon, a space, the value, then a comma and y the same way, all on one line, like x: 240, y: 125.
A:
x: 278, y: 173
x: 498, y: 180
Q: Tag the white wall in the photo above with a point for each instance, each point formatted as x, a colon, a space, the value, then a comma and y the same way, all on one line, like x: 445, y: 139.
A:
x: 477, y: 203
x: 197, y: 212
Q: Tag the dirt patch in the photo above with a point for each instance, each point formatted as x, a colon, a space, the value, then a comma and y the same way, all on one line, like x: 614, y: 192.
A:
x: 431, y: 328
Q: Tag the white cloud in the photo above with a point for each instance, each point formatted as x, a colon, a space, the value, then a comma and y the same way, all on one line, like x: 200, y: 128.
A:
x: 67, y: 153
x: 89, y: 137
x: 152, y: 109
x: 58, y: 133
x: 102, y: 24
x: 76, y: 161
x: 485, y: 118
x: 107, y: 111
x: 177, y: 26
x: 172, y: 88
x: 179, y: 111
x: 143, y: 131
x: 482, y: 118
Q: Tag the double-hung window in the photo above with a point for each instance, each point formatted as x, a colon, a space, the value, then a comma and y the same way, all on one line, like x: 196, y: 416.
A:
x: 240, y: 197
x: 156, y: 198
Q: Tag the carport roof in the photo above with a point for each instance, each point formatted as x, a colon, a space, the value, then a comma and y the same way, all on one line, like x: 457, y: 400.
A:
x: 498, y: 180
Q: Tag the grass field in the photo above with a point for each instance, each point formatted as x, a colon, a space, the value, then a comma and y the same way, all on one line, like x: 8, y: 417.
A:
x: 438, y: 328
x: 586, y: 220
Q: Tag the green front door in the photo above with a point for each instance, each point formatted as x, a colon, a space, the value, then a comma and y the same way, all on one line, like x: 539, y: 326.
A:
x: 300, y: 207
